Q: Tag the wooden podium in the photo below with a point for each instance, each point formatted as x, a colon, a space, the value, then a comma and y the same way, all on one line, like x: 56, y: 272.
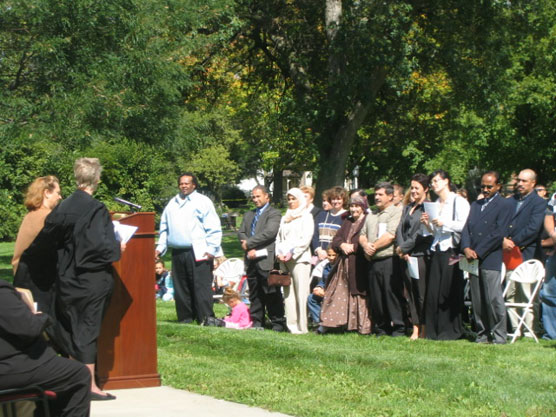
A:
x: 127, y: 355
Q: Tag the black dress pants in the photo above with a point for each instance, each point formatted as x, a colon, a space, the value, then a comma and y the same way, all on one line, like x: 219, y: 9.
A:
x: 192, y: 286
x: 70, y: 379
x: 444, y: 299
x: 386, y: 297
x: 262, y: 297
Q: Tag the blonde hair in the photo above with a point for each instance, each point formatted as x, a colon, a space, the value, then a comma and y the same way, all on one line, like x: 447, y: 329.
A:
x: 307, y: 189
x: 35, y: 193
x: 229, y: 295
x: 87, y: 173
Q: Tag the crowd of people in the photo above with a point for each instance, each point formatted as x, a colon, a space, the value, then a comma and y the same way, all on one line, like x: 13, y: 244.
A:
x: 394, y: 270
x: 389, y: 271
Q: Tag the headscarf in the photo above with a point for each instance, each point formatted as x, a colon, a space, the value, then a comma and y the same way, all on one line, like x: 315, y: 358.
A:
x: 295, y: 213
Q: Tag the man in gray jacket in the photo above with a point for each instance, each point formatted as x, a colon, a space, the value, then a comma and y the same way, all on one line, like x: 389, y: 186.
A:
x: 257, y: 235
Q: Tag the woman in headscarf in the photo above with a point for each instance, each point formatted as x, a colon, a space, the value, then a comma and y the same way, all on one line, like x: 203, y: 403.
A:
x: 294, y: 254
x: 345, y: 298
x: 37, y: 275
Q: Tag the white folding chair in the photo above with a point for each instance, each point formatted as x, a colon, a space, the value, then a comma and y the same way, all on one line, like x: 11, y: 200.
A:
x: 529, y: 272
x: 231, y: 271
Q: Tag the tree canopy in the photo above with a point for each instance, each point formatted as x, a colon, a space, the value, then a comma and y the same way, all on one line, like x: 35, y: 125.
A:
x: 232, y: 88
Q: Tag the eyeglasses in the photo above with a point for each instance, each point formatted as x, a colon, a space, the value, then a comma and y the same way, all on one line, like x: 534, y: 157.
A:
x: 540, y: 189
x: 488, y: 187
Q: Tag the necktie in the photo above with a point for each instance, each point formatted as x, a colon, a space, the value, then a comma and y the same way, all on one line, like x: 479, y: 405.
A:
x: 255, y: 220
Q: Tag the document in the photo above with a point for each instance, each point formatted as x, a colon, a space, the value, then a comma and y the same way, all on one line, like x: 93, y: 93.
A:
x: 261, y: 253
x: 381, y: 229
x: 470, y: 267
x: 432, y: 209
x: 413, y: 267
x: 123, y: 232
x: 200, y: 249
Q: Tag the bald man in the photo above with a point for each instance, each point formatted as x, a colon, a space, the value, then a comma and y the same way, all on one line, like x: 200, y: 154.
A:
x: 524, y: 231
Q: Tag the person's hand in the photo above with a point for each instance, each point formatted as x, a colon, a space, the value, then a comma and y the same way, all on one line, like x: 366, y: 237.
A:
x: 347, y: 248
x: 209, y: 256
x: 318, y: 291
x: 470, y: 254
x: 437, y: 222
x: 252, y: 254
x: 425, y: 219
x: 321, y: 254
x: 122, y: 247
x: 508, y: 244
x: 244, y: 245
x: 369, y: 249
x: 287, y: 257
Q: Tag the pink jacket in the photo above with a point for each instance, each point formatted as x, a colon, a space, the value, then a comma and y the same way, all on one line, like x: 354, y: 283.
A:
x: 240, y: 317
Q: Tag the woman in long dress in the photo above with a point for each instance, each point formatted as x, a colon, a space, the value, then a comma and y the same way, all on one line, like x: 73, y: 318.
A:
x: 345, y: 303
x: 37, y: 275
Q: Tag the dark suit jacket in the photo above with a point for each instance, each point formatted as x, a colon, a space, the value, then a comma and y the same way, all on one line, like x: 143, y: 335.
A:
x: 485, y: 230
x: 264, y: 237
x: 526, y: 225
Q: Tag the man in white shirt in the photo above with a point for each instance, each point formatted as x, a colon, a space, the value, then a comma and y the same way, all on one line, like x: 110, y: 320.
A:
x: 190, y: 226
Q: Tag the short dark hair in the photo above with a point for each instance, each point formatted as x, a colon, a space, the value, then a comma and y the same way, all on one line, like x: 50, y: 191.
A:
x: 193, y: 178
x: 443, y: 174
x: 421, y: 179
x: 495, y: 174
x: 359, y: 192
x: 261, y: 188
x: 388, y: 187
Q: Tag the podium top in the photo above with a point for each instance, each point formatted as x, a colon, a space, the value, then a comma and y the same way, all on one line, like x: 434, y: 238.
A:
x: 143, y: 220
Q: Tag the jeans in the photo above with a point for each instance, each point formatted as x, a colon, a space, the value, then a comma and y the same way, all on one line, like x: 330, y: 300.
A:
x: 314, y: 303
x: 548, y: 299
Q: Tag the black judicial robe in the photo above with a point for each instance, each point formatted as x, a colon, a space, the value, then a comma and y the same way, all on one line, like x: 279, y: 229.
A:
x: 81, y: 233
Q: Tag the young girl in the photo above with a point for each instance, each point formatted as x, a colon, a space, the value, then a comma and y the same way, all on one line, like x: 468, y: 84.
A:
x: 239, y: 317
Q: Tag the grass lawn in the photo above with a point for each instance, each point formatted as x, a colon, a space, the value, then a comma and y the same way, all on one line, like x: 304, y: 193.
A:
x: 351, y: 375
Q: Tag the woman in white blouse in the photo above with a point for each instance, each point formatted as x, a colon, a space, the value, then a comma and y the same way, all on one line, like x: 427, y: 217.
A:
x: 294, y: 254
x: 444, y: 299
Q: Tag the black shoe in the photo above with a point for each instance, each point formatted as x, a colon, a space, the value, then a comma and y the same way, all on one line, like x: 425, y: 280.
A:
x: 95, y: 396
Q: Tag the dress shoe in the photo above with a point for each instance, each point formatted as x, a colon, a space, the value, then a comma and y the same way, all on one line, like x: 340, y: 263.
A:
x: 95, y: 396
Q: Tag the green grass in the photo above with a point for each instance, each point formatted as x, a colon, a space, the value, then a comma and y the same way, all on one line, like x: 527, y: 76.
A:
x: 6, y: 254
x: 352, y: 375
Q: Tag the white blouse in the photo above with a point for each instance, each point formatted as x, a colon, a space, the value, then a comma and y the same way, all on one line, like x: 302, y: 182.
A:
x: 450, y: 223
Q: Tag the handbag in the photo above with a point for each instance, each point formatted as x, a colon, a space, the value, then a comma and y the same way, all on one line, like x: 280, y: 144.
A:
x: 512, y: 259
x: 277, y: 278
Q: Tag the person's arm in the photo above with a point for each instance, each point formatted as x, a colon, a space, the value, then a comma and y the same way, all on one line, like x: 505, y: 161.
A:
x: 161, y: 247
x: 459, y: 218
x: 307, y: 229
x: 268, y: 234
x: 549, y: 227
x: 213, y: 228
x: 16, y: 319
x: 388, y: 237
x: 528, y: 234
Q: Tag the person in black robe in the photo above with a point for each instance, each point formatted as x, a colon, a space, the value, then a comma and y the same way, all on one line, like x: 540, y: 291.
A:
x: 81, y: 231
x: 26, y: 359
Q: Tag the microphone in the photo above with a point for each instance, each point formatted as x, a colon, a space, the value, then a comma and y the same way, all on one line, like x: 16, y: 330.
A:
x: 128, y: 203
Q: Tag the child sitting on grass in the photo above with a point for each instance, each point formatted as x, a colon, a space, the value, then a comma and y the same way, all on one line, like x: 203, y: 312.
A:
x: 239, y: 317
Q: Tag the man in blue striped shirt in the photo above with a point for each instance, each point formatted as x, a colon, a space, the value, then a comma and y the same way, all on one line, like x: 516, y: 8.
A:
x: 190, y: 227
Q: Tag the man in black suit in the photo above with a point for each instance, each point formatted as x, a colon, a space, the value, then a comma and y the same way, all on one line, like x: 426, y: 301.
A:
x: 481, y: 239
x: 26, y: 359
x: 524, y: 230
x: 257, y: 235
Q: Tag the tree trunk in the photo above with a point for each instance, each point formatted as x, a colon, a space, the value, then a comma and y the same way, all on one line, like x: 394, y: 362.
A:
x: 278, y: 189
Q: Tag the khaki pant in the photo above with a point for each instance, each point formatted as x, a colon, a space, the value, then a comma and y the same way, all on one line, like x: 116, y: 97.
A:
x: 296, y: 296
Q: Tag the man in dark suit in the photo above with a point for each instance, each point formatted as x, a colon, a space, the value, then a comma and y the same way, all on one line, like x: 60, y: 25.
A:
x: 481, y: 240
x: 257, y: 235
x: 524, y: 230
